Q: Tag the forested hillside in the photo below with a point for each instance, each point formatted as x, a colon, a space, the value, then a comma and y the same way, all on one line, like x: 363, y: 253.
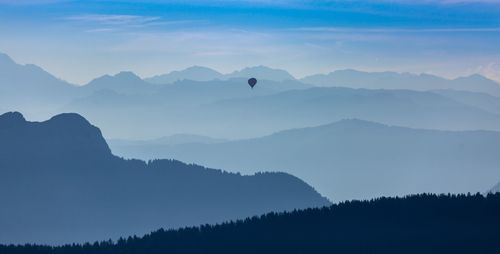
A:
x: 415, y: 224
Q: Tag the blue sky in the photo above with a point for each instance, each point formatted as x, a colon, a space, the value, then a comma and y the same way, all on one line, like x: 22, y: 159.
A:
x: 80, y: 40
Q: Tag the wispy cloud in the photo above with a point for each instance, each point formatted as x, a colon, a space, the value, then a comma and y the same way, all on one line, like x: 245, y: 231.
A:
x: 100, y: 30
x: 30, y: 2
x: 397, y: 30
x: 114, y: 19
x: 109, y: 23
x: 215, y: 42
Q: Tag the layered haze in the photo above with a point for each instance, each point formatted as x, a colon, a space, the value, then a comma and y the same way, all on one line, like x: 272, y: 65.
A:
x: 222, y: 123
x: 122, y: 117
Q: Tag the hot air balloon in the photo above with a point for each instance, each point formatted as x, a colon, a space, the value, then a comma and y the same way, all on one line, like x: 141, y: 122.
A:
x: 252, y: 82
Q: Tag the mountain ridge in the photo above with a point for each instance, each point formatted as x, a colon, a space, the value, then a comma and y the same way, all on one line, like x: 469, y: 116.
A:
x: 392, y: 160
x: 196, y: 73
x: 95, y: 195
x: 200, y: 73
x: 125, y: 82
x: 394, y: 80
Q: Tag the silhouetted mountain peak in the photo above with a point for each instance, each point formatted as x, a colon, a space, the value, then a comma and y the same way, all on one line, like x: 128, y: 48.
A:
x: 196, y: 73
x: 11, y: 119
x: 61, y: 175
x: 262, y: 72
x: 201, y: 68
x: 70, y: 119
x: 356, y: 122
x: 128, y: 75
x: 67, y: 134
x: 267, y: 69
x: 124, y: 82
x: 346, y: 71
x: 121, y: 77
x: 6, y: 60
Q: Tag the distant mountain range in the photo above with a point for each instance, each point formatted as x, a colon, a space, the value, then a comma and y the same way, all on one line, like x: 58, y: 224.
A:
x: 60, y: 183
x: 123, y: 83
x: 198, y: 73
x: 257, y: 116
x: 341, y: 78
x: 27, y: 78
x: 482, y: 101
x: 353, y: 159
x: 394, y: 80
x: 195, y: 73
x: 31, y: 89
x: 128, y: 107
x: 461, y: 224
x: 38, y: 94
x: 262, y: 72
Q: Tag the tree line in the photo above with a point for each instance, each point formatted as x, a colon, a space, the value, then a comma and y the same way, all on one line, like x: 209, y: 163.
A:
x: 424, y: 223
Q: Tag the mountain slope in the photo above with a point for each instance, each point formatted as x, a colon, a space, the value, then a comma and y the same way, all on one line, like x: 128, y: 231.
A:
x: 59, y: 183
x: 198, y: 73
x: 480, y: 100
x: 127, y: 116
x: 123, y: 82
x: 27, y: 77
x: 316, y: 106
x: 231, y: 110
x: 393, y: 80
x: 354, y: 159
x: 31, y: 89
x: 415, y: 224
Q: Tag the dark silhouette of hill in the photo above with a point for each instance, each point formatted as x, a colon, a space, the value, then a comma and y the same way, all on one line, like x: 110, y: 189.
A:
x: 353, y: 159
x: 195, y: 73
x: 394, y: 80
x: 60, y: 183
x: 414, y: 224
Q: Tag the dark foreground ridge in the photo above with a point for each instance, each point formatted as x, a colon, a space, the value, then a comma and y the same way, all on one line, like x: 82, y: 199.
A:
x: 415, y: 224
x: 60, y: 183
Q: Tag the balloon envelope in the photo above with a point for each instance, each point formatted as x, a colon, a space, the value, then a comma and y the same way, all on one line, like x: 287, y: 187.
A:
x: 252, y: 82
